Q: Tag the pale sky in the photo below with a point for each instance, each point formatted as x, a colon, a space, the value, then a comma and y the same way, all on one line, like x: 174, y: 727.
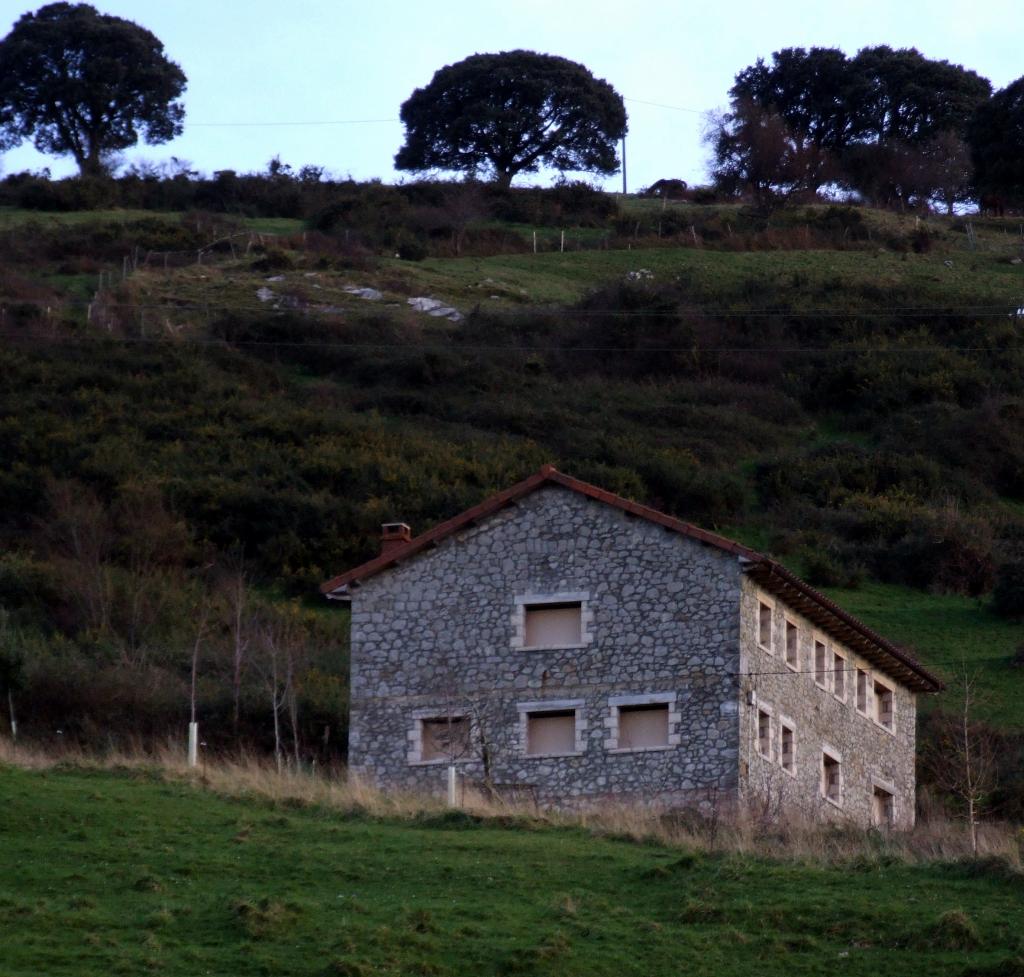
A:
x: 315, y: 61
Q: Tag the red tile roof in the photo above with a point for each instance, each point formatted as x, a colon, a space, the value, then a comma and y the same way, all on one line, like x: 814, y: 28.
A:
x: 768, y: 574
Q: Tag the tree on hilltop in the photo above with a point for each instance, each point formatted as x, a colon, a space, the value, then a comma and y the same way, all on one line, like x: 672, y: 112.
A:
x: 81, y: 83
x: 996, y: 138
x: 512, y: 113
x: 887, y: 123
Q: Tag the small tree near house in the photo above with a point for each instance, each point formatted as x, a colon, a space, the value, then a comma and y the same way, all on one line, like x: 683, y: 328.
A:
x: 12, y: 671
x: 962, y: 757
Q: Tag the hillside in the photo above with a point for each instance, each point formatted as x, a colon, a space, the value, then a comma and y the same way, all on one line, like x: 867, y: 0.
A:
x: 106, y: 873
x: 841, y: 387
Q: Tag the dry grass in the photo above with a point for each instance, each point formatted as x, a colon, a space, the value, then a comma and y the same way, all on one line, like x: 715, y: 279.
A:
x: 934, y: 838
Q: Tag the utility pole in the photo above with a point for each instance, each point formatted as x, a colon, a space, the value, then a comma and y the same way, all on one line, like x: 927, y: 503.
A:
x: 623, y: 166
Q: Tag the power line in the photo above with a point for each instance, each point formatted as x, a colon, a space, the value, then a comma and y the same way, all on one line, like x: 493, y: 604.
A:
x: 662, y: 105
x: 310, y: 122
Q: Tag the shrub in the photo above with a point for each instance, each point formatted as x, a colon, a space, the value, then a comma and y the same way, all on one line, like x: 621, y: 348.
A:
x: 827, y: 568
x: 943, y: 551
x: 954, y: 930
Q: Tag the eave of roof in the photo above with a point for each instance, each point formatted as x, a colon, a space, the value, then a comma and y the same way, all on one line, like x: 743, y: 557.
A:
x: 766, y: 572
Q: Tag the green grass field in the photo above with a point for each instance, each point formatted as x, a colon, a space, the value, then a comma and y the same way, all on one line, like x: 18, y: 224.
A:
x: 807, y: 279
x: 124, y: 873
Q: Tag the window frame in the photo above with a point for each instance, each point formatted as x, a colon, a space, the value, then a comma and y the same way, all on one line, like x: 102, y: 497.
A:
x: 868, y: 679
x: 615, y: 704
x: 765, y: 710
x: 766, y: 605
x: 819, y: 641
x: 839, y: 674
x: 886, y: 787
x: 795, y: 664
x: 522, y: 603
x: 528, y: 709
x: 837, y: 758
x: 414, y: 755
x: 787, y: 725
x: 889, y: 727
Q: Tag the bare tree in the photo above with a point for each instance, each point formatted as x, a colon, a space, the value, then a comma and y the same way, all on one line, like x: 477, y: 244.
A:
x: 481, y: 708
x: 12, y: 666
x: 283, y: 648
x: 272, y: 669
x: 963, y: 756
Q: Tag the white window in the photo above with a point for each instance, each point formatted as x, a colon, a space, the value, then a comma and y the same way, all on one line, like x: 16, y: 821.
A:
x: 839, y: 676
x: 764, y: 733
x: 820, y: 663
x: 642, y: 722
x: 643, y: 727
x: 552, y: 728
x: 764, y: 625
x: 883, y: 696
x: 883, y: 807
x: 863, y: 691
x: 551, y: 621
x: 792, y: 646
x: 787, y: 744
x: 831, y: 777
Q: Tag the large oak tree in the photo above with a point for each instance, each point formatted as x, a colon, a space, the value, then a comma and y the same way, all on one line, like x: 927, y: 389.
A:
x: 79, y: 82
x: 510, y: 113
x: 887, y: 123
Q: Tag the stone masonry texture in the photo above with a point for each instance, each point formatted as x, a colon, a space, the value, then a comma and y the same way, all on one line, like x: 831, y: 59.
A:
x: 869, y: 753
x: 665, y: 619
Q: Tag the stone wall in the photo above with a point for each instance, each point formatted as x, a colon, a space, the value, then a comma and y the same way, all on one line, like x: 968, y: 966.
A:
x: 869, y: 753
x: 443, y: 635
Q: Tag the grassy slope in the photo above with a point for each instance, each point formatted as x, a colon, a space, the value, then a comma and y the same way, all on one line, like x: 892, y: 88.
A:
x: 123, y: 874
x: 941, y: 629
x: 564, y: 278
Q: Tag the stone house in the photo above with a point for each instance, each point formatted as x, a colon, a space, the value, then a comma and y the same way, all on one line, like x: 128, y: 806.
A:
x: 561, y: 640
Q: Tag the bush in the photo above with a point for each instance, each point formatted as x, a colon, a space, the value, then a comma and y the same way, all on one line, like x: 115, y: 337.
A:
x: 953, y: 930
x: 827, y: 568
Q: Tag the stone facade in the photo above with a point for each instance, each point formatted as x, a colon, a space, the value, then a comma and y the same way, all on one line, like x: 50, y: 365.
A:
x: 822, y: 719
x: 666, y: 623
x: 442, y: 635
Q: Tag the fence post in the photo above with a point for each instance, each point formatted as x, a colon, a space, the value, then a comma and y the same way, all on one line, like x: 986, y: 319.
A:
x: 534, y: 242
x: 561, y: 246
x: 453, y: 786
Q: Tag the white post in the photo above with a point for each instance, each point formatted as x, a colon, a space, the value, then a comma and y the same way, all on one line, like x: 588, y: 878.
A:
x: 561, y: 246
x: 453, y: 787
x: 193, y: 744
x: 534, y: 242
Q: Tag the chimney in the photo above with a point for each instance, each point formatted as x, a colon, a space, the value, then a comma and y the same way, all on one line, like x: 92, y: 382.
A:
x: 393, y: 535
